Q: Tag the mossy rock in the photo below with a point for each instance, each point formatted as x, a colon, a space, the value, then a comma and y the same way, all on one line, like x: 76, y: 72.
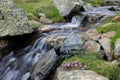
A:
x: 13, y: 20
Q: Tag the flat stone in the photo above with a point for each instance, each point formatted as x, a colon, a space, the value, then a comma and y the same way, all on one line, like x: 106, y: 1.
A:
x: 91, y: 46
x: 78, y: 75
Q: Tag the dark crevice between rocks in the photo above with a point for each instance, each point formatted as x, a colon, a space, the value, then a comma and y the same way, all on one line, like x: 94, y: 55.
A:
x: 18, y: 42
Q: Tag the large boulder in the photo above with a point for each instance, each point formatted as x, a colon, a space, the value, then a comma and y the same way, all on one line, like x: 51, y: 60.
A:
x: 71, y: 45
x: 66, y: 6
x: 14, y: 27
x: 78, y: 75
x: 13, y: 20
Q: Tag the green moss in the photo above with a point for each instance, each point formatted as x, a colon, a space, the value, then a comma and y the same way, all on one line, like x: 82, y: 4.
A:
x: 113, y: 39
x: 41, y: 6
x: 101, y: 67
x: 94, y: 2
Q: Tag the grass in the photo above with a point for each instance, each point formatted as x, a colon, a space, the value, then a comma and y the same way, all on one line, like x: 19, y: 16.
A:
x: 33, y: 9
x: 106, y: 68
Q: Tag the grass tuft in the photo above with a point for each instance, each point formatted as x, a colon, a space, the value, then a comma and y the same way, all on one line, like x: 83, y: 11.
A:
x: 40, y: 6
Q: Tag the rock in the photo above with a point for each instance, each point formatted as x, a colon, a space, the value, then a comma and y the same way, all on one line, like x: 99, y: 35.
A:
x: 42, y: 15
x: 87, y: 7
x: 45, y: 20
x: 71, y: 45
x: 56, y: 40
x: 117, y: 49
x: 116, y: 62
x: 13, y: 20
x: 105, y: 43
x: 66, y: 6
x: 44, y: 65
x: 46, y: 29
x: 108, y: 34
x: 78, y: 75
x: 91, y: 46
x: 91, y: 34
x: 116, y: 19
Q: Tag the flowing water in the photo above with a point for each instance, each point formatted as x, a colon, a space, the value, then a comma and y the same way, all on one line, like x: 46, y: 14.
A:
x: 17, y: 64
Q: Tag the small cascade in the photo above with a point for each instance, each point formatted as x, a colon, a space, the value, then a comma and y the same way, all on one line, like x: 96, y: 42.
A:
x: 75, y: 22
x: 14, y: 67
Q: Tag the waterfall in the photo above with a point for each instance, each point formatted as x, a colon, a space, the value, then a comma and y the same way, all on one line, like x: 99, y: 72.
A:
x: 12, y: 68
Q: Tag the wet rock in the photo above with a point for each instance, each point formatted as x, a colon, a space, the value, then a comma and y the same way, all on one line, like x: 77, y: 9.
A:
x: 13, y: 20
x: 91, y: 34
x: 116, y: 19
x: 44, y: 65
x: 91, y: 46
x: 66, y: 6
x: 78, y: 75
x: 71, y: 45
x: 117, y: 49
x: 46, y: 29
x: 56, y: 40
x: 105, y: 43
x: 108, y: 34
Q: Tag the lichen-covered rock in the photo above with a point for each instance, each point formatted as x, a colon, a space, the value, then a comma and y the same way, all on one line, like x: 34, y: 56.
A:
x: 78, y: 75
x: 13, y: 20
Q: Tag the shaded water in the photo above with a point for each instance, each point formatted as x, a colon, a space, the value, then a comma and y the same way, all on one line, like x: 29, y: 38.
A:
x: 17, y: 65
